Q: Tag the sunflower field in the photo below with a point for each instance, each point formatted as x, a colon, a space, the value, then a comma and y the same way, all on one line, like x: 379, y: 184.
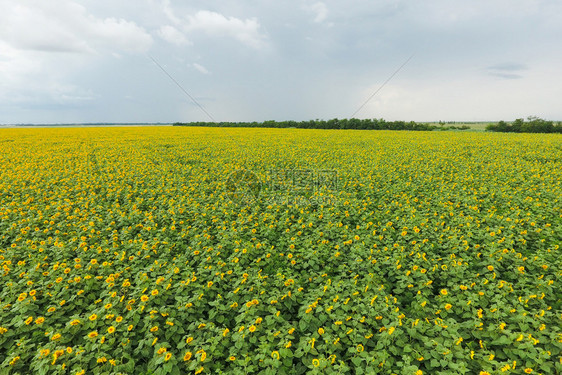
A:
x: 177, y: 250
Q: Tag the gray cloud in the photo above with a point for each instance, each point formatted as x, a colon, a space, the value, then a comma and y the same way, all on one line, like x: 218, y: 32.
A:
x: 508, y: 70
x: 298, y: 59
x: 506, y: 75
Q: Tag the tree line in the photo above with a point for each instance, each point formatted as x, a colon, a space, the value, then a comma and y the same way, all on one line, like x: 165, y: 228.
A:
x: 532, y: 125
x: 353, y: 123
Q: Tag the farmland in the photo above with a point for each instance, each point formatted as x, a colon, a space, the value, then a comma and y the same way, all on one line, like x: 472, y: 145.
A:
x: 206, y: 250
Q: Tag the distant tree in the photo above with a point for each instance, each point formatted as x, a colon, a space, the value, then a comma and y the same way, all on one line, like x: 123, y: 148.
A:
x: 501, y: 126
x: 533, y: 124
x: 354, y: 123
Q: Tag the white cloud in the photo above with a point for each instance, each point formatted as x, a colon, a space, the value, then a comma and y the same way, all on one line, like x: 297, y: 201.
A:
x: 169, y: 12
x: 319, y: 9
x: 26, y: 27
x: 217, y: 25
x: 117, y: 34
x: 46, y: 49
x: 172, y: 35
x: 67, y: 27
x: 188, y: 23
x: 14, y: 65
x: 201, y: 68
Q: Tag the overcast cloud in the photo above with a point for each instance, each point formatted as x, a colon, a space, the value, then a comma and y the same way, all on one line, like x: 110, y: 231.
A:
x: 90, y: 61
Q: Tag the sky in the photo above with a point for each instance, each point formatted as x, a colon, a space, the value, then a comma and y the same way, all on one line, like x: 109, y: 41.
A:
x: 71, y: 61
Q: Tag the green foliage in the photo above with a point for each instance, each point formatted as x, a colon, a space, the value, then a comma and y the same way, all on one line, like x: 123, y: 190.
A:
x: 532, y: 125
x: 439, y: 254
